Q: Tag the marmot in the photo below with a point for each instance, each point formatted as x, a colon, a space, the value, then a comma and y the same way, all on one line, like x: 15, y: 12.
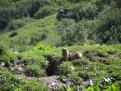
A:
x: 70, y: 55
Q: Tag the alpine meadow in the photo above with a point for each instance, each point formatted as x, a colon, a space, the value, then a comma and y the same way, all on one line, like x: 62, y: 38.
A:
x: 60, y: 45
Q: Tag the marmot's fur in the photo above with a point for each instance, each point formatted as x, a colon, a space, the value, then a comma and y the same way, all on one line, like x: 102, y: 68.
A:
x: 70, y: 55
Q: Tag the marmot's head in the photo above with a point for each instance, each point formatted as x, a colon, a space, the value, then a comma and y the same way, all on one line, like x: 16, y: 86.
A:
x: 64, y: 52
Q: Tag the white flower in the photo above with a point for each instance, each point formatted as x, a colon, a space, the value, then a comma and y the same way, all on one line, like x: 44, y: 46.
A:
x: 53, y: 84
x: 12, y: 85
x: 107, y: 79
x: 72, y: 67
x: 2, y: 63
x: 91, y: 82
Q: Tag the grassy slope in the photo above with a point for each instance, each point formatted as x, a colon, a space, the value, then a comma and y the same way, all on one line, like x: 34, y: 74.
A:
x: 46, y: 24
x: 103, y: 66
x: 34, y: 29
x: 37, y: 27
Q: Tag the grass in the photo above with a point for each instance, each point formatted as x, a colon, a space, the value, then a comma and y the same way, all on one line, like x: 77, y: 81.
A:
x: 38, y: 27
x: 33, y: 30
x: 97, y: 69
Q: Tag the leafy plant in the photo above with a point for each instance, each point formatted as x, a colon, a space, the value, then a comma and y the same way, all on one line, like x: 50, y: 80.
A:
x: 65, y: 68
x: 3, y: 48
x: 34, y: 70
x: 34, y: 85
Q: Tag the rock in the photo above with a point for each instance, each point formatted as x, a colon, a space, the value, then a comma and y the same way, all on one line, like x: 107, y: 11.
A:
x: 2, y: 63
x: 52, y: 82
x: 87, y: 83
x: 17, y: 69
x: 62, y: 14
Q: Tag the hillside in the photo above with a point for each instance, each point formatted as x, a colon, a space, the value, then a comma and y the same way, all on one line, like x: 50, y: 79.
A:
x: 73, y: 21
x: 42, y: 31
x: 60, y: 45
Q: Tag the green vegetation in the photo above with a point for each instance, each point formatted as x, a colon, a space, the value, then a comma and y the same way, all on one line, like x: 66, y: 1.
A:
x: 9, y: 82
x: 65, y: 68
x: 34, y: 32
x: 99, y: 19
x: 34, y: 70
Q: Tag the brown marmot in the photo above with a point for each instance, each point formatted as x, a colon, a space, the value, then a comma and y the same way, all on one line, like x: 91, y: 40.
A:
x: 70, y: 55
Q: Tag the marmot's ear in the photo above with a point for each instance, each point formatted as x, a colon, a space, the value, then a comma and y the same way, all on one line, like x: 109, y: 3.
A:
x: 64, y: 49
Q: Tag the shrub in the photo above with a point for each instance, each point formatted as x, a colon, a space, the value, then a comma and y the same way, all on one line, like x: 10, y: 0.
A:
x: 116, y: 74
x: 18, y: 23
x: 43, y: 48
x: 84, y: 10
x: 108, y: 31
x: 9, y: 57
x: 84, y: 75
x: 75, y: 78
x: 69, y: 31
x: 74, y: 0
x: 65, y: 68
x: 110, y: 88
x: 44, y: 11
x: 81, y: 62
x: 38, y: 37
x: 3, y: 48
x: 35, y: 38
x: 34, y: 85
x: 60, y: 2
x: 7, y: 81
x: 15, y: 24
x: 34, y: 70
x: 44, y: 36
x: 31, y: 57
x: 14, y: 33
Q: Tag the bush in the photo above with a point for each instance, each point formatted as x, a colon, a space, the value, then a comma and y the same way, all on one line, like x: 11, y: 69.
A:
x: 117, y: 75
x: 3, y: 48
x: 31, y: 57
x: 44, y: 11
x: 44, y: 36
x: 7, y: 81
x: 18, y: 23
x: 10, y: 10
x: 84, y: 10
x: 13, y: 33
x: 9, y: 57
x: 34, y: 70
x: 69, y: 31
x: 38, y: 37
x: 81, y: 62
x: 75, y: 78
x: 74, y: 1
x: 108, y: 30
x: 66, y: 68
x: 34, y: 85
x: 110, y: 88
x: 15, y: 24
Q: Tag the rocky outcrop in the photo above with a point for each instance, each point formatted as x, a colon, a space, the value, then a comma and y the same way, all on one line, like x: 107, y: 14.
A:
x: 52, y: 82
